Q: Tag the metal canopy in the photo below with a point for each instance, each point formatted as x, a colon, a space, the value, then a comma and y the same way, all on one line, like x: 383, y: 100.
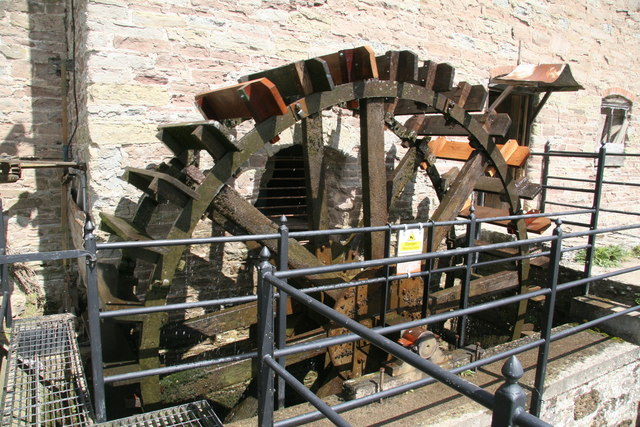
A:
x: 530, y: 78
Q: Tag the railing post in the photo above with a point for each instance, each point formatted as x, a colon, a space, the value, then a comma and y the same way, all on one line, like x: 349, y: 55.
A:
x: 427, y: 285
x: 281, y: 311
x: 544, y: 179
x: 464, y: 297
x: 509, y: 398
x: 547, y: 322
x: 265, y: 341
x: 387, y: 271
x: 5, y: 314
x: 93, y: 310
x: 597, y: 195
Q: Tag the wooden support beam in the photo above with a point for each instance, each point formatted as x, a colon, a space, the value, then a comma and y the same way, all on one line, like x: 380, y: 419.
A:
x: 534, y: 225
x: 372, y: 156
x: 399, y: 66
x: 526, y: 189
x: 514, y: 154
x: 210, y: 135
x: 402, y: 175
x: 449, y: 298
x: 160, y: 186
x: 437, y: 124
x: 476, y: 100
x: 258, y: 99
x: 129, y: 232
x: 352, y: 65
x: 456, y: 196
x: 231, y: 205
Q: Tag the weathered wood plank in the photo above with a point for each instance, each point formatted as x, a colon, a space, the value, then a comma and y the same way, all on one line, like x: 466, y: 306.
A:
x: 460, y: 150
x: 313, y: 147
x: 238, y: 210
x: 526, y: 189
x: 436, y: 124
x: 258, y: 99
x: 400, y: 66
x: 209, y: 135
x: 352, y: 65
x: 372, y: 157
x: 534, y: 225
x: 159, y: 185
x: 446, y: 299
x: 402, y: 175
x: 456, y: 196
x: 127, y: 231
x: 445, y: 74
x: 290, y: 79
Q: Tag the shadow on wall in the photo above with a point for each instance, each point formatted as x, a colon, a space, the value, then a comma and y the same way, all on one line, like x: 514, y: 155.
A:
x: 37, y: 210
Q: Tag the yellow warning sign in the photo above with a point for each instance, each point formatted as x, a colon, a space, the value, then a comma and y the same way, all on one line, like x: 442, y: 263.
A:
x: 409, y: 243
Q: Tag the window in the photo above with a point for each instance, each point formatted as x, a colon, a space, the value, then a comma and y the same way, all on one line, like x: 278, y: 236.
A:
x: 616, y: 110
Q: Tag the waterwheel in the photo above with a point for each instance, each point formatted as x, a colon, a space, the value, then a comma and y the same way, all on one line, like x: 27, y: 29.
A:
x: 241, y: 120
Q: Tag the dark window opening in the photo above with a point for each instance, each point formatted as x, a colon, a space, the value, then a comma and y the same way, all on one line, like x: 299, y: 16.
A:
x: 616, y: 110
x: 283, y: 188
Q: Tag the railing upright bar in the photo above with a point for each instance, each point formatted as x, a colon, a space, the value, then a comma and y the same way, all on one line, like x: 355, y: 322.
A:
x: 427, y: 281
x: 387, y: 272
x: 265, y: 341
x: 93, y: 310
x: 281, y: 313
x: 545, y: 332
x: 588, y: 263
x: 469, y: 258
x: 5, y: 310
x: 510, y: 397
x: 545, y: 176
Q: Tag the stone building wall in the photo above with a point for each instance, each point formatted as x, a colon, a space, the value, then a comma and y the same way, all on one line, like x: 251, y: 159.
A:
x: 140, y: 64
x: 32, y: 44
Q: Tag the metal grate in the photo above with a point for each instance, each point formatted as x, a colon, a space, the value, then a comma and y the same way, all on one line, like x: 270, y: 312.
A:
x: 45, y: 383
x: 190, y: 414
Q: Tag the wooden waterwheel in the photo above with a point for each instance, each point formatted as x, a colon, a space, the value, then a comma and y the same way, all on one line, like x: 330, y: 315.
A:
x: 378, y: 91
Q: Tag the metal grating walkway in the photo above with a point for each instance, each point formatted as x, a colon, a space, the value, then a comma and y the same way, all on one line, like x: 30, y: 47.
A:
x: 190, y: 414
x: 45, y: 383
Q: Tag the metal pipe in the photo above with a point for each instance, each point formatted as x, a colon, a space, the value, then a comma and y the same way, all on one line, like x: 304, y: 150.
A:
x: 281, y: 310
x: 175, y: 307
x: 466, y: 282
x: 426, y: 290
x: 555, y: 153
x: 597, y: 196
x: 545, y: 333
x: 564, y: 178
x: 387, y: 272
x: 5, y: 309
x: 326, y: 410
x: 470, y: 390
x: 93, y: 310
x: 573, y: 189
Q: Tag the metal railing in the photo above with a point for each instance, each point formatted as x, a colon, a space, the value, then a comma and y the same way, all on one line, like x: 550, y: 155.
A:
x: 272, y: 351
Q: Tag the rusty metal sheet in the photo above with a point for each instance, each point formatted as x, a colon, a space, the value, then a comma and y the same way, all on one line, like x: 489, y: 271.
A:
x: 538, y: 78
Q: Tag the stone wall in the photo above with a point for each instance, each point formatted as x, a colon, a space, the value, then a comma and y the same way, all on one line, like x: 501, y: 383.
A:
x: 32, y: 44
x: 140, y: 64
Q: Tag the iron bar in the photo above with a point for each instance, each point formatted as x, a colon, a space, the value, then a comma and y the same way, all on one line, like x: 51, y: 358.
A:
x: 166, y: 370
x: 387, y: 272
x: 5, y: 309
x: 568, y: 205
x: 564, y: 178
x: 572, y: 189
x: 602, y: 157
x: 465, y: 285
x: 42, y: 256
x: 545, y: 333
x: 426, y: 290
x: 577, y: 224
x: 326, y: 410
x: 93, y: 310
x: 509, y: 397
x: 554, y: 153
x: 544, y: 179
x: 265, y: 338
x: 619, y: 212
x: 175, y: 307
x: 281, y: 310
